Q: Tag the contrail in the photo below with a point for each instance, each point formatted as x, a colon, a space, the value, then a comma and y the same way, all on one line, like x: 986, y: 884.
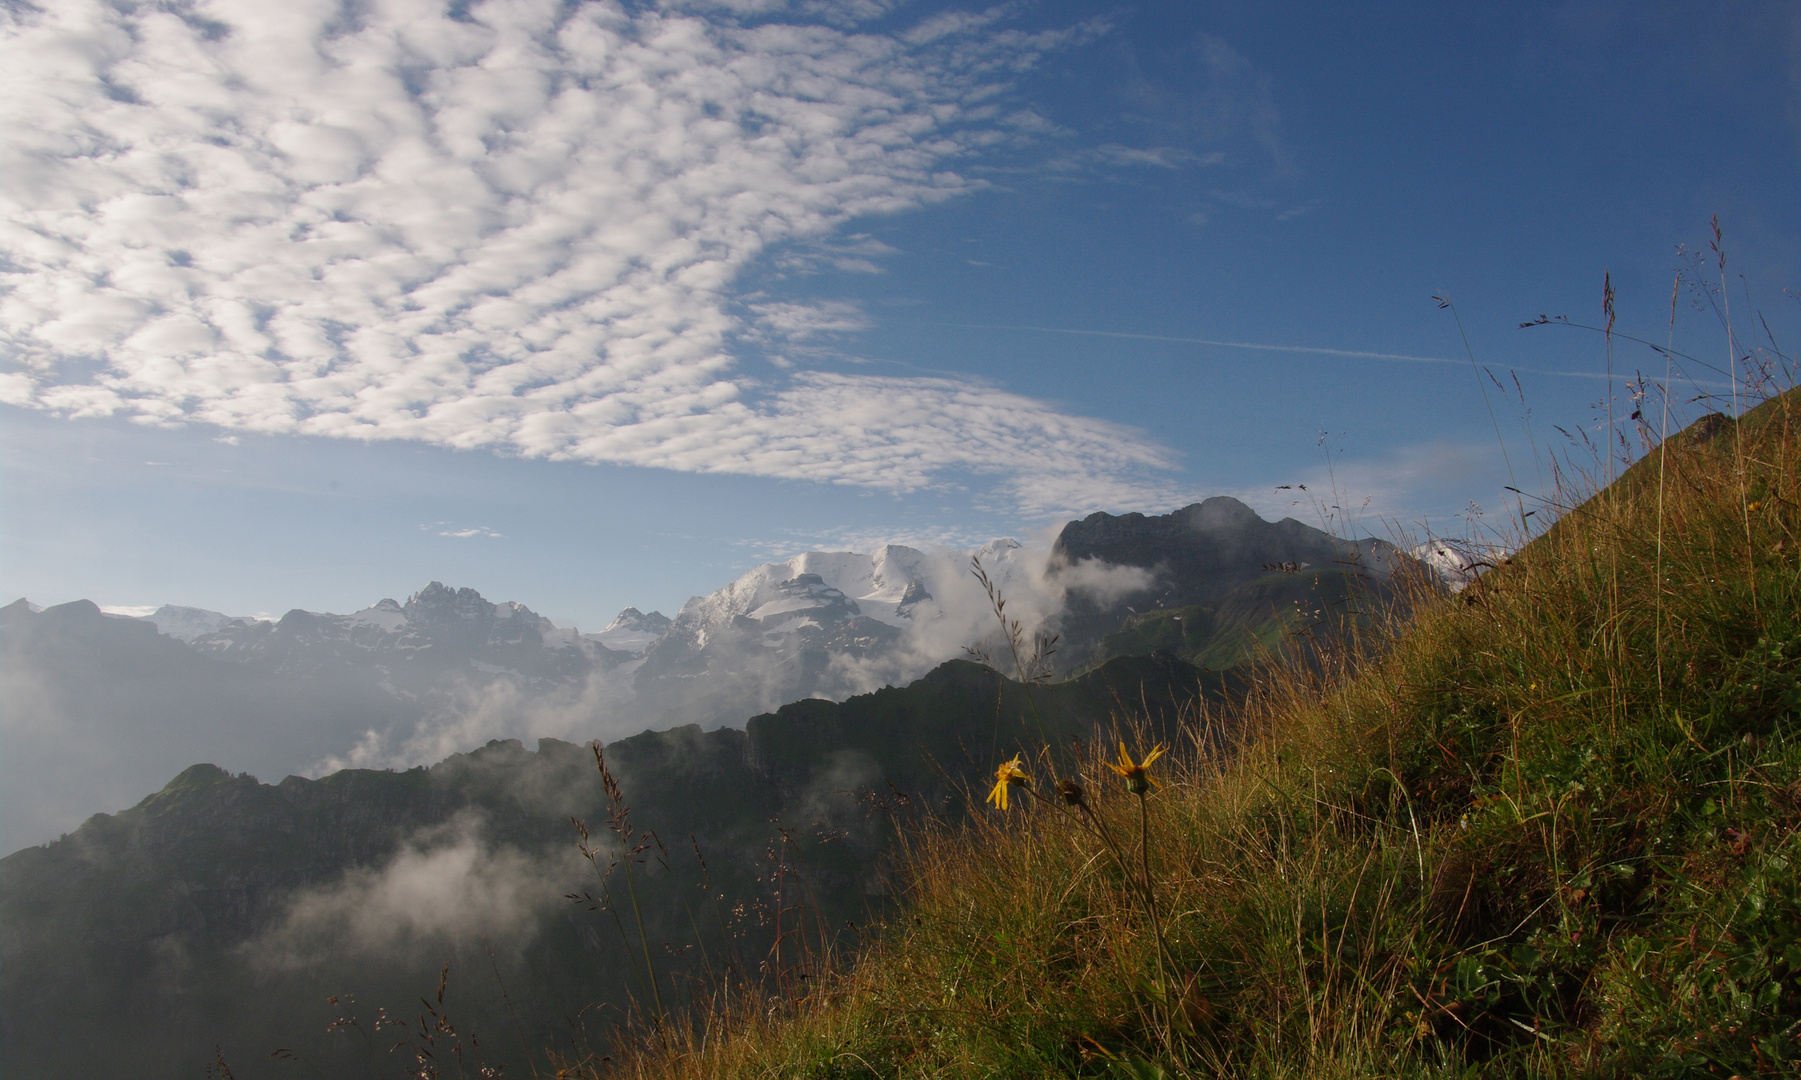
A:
x: 1355, y: 354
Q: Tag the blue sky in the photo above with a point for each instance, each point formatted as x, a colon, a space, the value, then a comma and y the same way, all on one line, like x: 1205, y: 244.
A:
x: 595, y: 305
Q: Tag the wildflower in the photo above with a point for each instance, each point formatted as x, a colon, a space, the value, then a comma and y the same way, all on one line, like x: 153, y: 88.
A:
x: 1138, y: 777
x: 1008, y: 775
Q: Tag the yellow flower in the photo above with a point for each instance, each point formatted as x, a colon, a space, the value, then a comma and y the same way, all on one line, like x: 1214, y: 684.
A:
x: 1137, y: 776
x: 1005, y: 777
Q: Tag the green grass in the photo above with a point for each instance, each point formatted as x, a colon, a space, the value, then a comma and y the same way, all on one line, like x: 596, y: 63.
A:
x: 1548, y: 828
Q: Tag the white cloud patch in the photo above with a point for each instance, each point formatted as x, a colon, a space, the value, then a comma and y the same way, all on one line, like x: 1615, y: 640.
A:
x: 496, y: 709
x: 129, y: 611
x: 1161, y: 157
x: 461, y: 532
x: 856, y: 254
x: 517, y: 228
x: 446, y: 885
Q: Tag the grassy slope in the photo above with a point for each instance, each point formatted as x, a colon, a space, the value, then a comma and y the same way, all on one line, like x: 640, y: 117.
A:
x: 1549, y: 830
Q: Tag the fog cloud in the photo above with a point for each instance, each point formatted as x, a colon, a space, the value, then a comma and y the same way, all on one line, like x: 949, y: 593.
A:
x: 67, y: 714
x: 446, y: 885
x: 601, y: 708
x: 959, y: 620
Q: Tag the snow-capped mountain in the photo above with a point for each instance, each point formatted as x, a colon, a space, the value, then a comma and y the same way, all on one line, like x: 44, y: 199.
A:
x: 872, y: 585
x: 889, y: 585
x: 822, y: 624
x: 632, y: 631
x: 437, y: 630
x: 1458, y: 562
x: 188, y: 623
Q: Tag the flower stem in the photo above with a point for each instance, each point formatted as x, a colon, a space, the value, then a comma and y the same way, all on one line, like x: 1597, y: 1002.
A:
x: 1150, y: 894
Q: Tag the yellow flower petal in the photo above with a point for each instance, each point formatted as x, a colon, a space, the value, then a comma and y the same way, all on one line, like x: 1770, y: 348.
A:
x: 1136, y: 774
x: 1008, y: 774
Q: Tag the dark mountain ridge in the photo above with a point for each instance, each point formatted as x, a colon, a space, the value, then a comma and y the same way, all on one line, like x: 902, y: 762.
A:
x: 225, y: 910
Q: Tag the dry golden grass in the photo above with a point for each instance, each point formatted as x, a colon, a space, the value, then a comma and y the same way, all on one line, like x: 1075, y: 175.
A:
x: 1547, y: 827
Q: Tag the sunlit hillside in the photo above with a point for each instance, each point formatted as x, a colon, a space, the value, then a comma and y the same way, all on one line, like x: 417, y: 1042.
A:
x: 1549, y: 829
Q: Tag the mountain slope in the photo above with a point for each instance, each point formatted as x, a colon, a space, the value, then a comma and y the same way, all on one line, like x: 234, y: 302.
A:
x: 1552, y: 830
x: 99, y: 709
x: 439, y: 631
x: 224, y: 910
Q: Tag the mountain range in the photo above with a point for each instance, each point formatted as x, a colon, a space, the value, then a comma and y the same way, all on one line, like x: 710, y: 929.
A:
x: 403, y: 683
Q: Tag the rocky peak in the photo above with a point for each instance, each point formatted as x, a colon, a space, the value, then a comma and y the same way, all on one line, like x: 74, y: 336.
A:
x: 1196, y: 555
x: 75, y: 611
x: 632, y: 619
x: 1222, y: 513
x: 915, y: 595
x: 439, y: 603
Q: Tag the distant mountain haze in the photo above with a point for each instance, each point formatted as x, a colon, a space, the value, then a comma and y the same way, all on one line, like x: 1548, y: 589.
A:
x: 101, y: 709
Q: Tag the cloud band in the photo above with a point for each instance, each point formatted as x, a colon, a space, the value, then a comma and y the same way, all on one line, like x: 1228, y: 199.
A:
x: 515, y: 227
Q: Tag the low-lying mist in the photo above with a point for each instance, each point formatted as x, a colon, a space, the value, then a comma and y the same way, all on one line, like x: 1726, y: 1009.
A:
x: 448, y: 884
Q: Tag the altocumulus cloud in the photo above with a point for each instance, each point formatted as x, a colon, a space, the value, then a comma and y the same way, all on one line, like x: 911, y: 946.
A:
x: 516, y: 226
